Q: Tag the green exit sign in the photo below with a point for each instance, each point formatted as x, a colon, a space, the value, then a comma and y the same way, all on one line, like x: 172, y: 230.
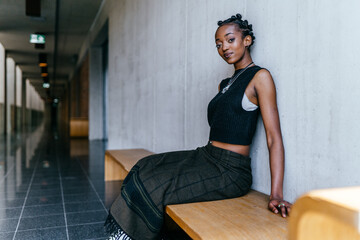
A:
x: 37, y: 38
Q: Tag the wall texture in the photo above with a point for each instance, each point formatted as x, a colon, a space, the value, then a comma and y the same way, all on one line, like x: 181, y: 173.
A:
x: 80, y: 91
x: 164, y: 69
x: 2, y: 89
x: 96, y: 90
x: 10, y: 95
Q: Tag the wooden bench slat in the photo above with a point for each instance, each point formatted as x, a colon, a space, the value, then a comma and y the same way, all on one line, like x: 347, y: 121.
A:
x: 239, y: 218
x: 118, y: 163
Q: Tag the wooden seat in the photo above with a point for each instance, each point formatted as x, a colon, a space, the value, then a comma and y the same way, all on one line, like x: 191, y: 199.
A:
x: 118, y: 163
x: 246, y: 217
x: 332, y: 214
x: 79, y: 127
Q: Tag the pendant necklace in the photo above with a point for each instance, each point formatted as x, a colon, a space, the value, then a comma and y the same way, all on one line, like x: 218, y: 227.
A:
x: 233, y: 78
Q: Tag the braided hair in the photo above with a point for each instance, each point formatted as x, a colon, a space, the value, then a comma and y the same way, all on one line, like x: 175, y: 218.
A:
x: 243, y: 25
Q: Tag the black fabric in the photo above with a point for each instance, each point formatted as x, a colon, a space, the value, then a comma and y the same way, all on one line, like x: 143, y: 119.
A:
x: 229, y: 122
x: 207, y: 173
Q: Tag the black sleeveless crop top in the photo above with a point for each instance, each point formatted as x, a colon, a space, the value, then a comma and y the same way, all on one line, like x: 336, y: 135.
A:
x: 229, y: 122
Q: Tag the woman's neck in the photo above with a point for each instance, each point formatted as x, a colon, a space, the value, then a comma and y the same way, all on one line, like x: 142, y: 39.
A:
x: 245, y: 61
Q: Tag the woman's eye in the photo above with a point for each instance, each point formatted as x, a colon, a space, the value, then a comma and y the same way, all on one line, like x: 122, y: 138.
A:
x: 231, y: 40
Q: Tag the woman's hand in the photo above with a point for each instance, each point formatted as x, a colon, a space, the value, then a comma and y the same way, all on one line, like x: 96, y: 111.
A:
x: 276, y: 205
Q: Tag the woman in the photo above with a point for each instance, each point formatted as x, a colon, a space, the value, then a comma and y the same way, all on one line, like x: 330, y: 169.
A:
x: 219, y: 170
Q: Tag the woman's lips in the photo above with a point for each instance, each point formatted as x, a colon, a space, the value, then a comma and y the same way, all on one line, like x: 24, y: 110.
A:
x: 227, y: 55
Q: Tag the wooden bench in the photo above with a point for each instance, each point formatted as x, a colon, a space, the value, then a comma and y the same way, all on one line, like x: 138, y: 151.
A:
x: 246, y: 217
x: 332, y: 214
x: 118, y: 163
x: 79, y: 127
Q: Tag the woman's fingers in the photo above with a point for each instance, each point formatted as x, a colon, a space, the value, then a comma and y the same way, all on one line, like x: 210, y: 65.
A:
x: 283, y: 210
x: 273, y: 208
x: 288, y: 208
x: 283, y: 206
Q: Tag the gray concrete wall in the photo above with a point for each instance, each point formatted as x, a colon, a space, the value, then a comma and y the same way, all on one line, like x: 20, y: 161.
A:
x: 18, y: 98
x: 96, y: 92
x: 18, y: 86
x: 164, y: 69
x: 2, y: 89
x: 10, y: 94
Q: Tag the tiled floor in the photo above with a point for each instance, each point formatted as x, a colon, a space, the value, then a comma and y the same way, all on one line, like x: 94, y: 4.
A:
x: 51, y: 188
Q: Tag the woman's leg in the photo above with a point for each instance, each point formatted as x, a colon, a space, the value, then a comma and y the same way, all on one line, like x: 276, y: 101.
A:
x: 170, y: 178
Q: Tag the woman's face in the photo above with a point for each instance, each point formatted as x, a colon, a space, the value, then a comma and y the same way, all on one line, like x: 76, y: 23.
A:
x: 230, y: 43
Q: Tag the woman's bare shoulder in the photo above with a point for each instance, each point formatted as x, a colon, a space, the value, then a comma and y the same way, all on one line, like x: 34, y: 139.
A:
x: 263, y: 78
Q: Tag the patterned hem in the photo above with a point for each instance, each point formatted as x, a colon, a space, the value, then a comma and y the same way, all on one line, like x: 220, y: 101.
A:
x: 115, y: 231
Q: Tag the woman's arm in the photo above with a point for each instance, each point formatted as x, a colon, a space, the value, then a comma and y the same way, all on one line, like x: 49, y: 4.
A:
x: 266, y: 95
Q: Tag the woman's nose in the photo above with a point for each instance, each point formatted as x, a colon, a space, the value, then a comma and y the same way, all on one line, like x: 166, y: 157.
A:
x: 225, y: 47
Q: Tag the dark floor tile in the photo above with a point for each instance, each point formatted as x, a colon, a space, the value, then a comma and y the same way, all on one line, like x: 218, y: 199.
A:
x: 6, y: 213
x: 33, y: 211
x: 40, y: 181
x: 20, y: 188
x: 8, y: 225
x: 6, y: 235
x: 45, y: 186
x: 42, y: 234
x: 77, y: 190
x: 83, y: 207
x: 43, y: 200
x: 12, y: 195
x: 46, y: 173
x: 45, y: 192
x: 42, y: 222
x: 86, y: 217
x: 67, y: 177
x: 10, y: 203
x: 89, y: 231
x: 83, y: 197
x: 52, y: 179
x: 75, y: 184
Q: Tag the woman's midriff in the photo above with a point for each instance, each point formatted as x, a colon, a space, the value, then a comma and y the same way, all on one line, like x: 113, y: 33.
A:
x: 241, y: 149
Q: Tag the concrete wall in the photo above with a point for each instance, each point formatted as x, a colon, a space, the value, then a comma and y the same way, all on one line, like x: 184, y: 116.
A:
x: 10, y: 95
x: 18, y: 86
x: 164, y: 69
x: 18, y: 98
x: 79, y: 85
x: 96, y: 90
x: 2, y: 89
x: 35, y: 106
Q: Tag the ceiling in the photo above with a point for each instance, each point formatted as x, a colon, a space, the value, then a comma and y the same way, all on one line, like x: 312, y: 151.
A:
x: 74, y: 21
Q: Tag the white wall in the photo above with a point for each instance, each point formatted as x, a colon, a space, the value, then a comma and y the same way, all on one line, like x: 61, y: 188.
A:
x: 164, y: 69
x: 10, y: 92
x: 2, y: 74
x: 33, y: 99
x: 2, y: 88
x: 18, y: 86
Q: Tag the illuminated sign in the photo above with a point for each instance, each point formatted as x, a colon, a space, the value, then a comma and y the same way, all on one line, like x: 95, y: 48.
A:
x: 37, y: 38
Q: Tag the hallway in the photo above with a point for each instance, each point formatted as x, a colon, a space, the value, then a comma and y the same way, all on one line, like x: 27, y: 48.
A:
x: 51, y: 188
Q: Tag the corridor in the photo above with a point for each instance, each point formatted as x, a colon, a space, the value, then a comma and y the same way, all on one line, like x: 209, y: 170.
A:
x: 51, y: 188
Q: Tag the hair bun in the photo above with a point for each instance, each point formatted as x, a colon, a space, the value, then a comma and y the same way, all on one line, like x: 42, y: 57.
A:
x: 244, y: 25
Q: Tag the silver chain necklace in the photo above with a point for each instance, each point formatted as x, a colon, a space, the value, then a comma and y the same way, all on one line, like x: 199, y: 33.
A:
x: 233, y: 78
